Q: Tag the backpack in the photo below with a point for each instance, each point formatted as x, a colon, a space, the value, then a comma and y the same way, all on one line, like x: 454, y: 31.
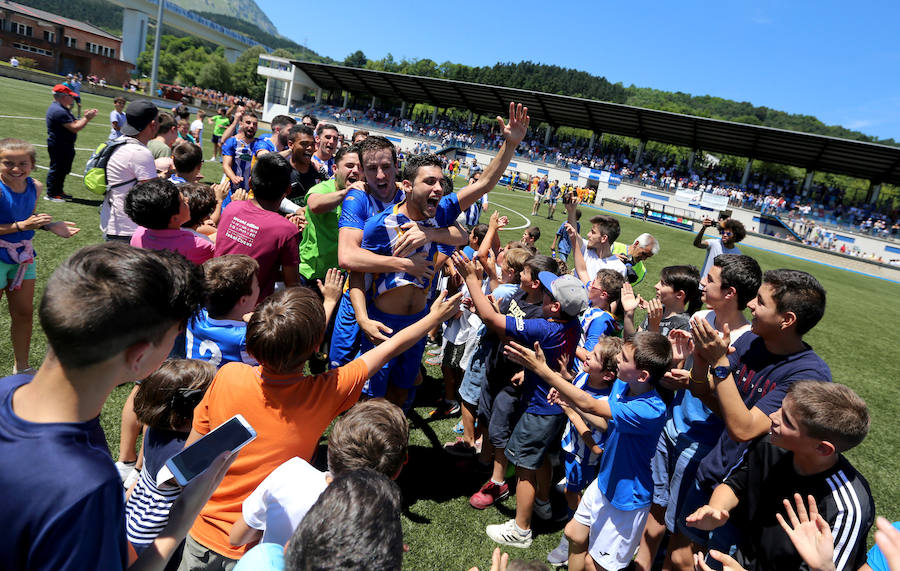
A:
x: 95, y: 169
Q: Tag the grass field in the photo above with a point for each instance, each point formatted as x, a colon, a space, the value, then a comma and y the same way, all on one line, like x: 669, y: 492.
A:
x: 856, y: 338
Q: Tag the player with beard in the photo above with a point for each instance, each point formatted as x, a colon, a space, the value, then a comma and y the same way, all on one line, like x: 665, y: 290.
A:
x: 281, y: 126
x: 239, y: 151
x: 306, y: 174
x: 319, y: 247
x: 326, y: 144
x: 398, y: 297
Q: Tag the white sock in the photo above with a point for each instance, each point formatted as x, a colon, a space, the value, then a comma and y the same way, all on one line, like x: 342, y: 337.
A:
x: 496, y: 482
x: 522, y: 531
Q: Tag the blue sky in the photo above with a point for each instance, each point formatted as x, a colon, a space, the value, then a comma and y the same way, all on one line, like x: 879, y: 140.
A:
x: 838, y: 61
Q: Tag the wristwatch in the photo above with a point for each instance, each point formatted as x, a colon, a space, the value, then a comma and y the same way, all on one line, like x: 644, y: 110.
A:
x: 721, y: 372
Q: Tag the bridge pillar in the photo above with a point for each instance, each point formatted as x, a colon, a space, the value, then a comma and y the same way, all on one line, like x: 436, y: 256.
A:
x: 640, y: 153
x: 134, y: 34
x: 747, y: 168
x: 231, y: 54
x: 547, y: 133
x: 807, y: 182
x: 873, y: 193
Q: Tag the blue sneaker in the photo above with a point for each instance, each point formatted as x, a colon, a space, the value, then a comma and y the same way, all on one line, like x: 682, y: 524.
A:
x: 458, y: 429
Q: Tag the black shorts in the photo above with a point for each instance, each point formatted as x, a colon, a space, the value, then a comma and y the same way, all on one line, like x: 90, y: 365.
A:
x: 215, y: 139
x: 531, y: 439
x: 453, y: 354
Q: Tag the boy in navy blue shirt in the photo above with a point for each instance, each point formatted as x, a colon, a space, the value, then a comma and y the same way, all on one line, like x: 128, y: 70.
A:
x: 607, y: 526
x: 542, y: 422
x: 111, y: 314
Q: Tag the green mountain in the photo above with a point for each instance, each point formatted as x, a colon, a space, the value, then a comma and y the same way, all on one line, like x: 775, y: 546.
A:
x: 245, y: 10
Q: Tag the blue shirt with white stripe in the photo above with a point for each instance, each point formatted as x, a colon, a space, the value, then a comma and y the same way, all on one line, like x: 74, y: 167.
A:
x: 384, y: 229
x: 218, y: 341
x: 358, y: 206
x: 572, y: 441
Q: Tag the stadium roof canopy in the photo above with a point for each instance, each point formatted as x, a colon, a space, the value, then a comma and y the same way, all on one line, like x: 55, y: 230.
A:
x: 878, y: 163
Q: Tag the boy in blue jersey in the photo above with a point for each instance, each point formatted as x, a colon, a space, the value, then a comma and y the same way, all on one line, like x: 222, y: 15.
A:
x: 379, y: 163
x: 49, y: 422
x: 607, y: 526
x: 541, y: 422
x: 582, y: 443
x: 218, y: 332
x: 562, y: 244
x: 597, y: 322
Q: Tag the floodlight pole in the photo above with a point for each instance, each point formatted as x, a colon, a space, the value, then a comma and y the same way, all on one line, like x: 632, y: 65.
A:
x: 154, y: 74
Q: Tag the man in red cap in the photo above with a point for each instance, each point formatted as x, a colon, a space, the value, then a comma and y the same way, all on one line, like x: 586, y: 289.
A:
x: 62, y: 130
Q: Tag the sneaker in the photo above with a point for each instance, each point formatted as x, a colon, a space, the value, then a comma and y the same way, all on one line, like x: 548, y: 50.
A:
x: 435, y: 361
x: 508, y: 534
x: 560, y: 555
x: 125, y: 469
x: 446, y: 408
x: 131, y: 479
x: 542, y: 510
x: 29, y: 371
x: 458, y: 429
x: 54, y: 198
x: 459, y: 448
x: 488, y: 495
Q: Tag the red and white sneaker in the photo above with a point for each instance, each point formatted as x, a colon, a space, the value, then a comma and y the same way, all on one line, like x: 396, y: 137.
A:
x: 489, y: 494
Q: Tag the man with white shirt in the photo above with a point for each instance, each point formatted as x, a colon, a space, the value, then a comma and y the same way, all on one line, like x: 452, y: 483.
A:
x: 596, y: 251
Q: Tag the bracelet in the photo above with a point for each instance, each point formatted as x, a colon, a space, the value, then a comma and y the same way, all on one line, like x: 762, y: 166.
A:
x: 18, y: 228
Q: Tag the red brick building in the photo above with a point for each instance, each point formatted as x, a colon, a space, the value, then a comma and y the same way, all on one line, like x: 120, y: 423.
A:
x: 60, y: 45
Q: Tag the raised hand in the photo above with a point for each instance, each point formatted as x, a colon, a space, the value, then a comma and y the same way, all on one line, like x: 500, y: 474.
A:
x: 708, y: 344
x: 524, y: 356
x: 465, y: 266
x: 707, y: 518
x: 376, y: 331
x: 515, y: 130
x: 628, y: 299
x: 682, y: 344
x: 654, y: 314
x: 64, y: 229
x: 728, y: 562
x: 676, y: 379
x: 333, y: 285
x: 445, y: 307
x: 412, y: 238
x: 35, y: 221
x: 422, y: 268
x: 809, y: 532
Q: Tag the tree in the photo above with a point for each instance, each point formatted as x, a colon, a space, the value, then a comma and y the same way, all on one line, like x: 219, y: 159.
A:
x: 215, y: 74
x: 356, y: 59
x: 244, y: 78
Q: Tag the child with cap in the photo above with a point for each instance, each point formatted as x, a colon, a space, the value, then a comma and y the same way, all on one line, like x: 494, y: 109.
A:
x: 541, y: 424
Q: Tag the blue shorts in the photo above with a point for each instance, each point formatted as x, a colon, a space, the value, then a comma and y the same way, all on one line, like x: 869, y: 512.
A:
x: 8, y: 273
x: 402, y: 370
x: 660, y: 469
x: 475, y: 376
x: 578, y: 475
x: 684, y: 461
x: 534, y: 436
x: 345, y: 338
x: 724, y: 539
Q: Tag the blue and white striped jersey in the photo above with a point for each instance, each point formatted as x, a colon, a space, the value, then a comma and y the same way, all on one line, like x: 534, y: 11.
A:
x: 383, y: 230
x: 571, y: 440
x: 218, y: 341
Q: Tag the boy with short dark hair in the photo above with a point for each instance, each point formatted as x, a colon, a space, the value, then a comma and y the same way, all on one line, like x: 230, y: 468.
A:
x: 49, y: 422
x: 612, y: 512
x: 159, y: 209
x: 732, y: 232
x: 217, y: 333
x: 288, y: 409
x: 188, y: 160
x: 255, y: 228
x: 748, y: 385
x: 541, y: 423
x: 803, y: 453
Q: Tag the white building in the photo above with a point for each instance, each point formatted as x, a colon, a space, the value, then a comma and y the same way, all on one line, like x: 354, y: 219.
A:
x: 285, y: 86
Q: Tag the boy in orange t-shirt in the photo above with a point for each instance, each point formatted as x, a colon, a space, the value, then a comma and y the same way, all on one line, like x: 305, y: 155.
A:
x: 288, y: 409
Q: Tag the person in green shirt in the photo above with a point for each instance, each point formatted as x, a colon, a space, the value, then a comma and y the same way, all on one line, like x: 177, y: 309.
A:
x: 633, y: 255
x: 319, y: 245
x: 220, y: 123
